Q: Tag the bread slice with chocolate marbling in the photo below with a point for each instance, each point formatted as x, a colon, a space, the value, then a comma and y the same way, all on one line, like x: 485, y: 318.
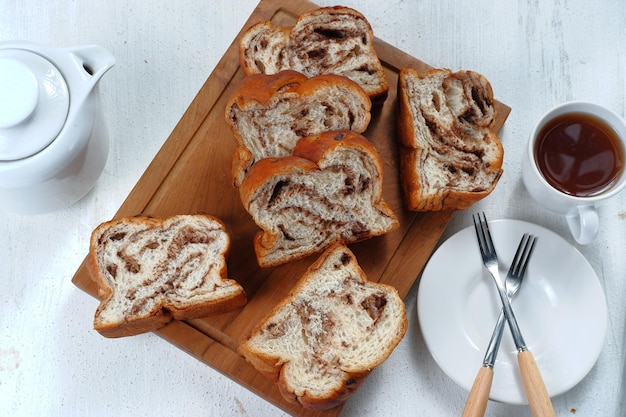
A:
x: 450, y: 156
x: 329, y: 333
x: 150, y: 271
x: 269, y: 114
x: 329, y: 190
x: 329, y: 40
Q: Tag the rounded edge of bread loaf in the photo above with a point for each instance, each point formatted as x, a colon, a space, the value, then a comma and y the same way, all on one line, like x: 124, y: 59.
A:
x: 258, y: 89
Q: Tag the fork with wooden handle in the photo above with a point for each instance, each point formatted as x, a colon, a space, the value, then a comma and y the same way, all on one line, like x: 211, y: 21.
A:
x: 479, y: 394
x: 536, y: 392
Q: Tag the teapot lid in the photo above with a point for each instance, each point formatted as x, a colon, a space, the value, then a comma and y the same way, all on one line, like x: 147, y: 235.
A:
x: 34, y: 103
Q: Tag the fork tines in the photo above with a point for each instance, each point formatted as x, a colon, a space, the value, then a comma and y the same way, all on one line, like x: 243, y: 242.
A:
x: 485, y: 242
x: 524, y: 250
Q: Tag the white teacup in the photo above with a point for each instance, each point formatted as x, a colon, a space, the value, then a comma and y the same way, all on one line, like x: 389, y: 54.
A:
x: 580, y: 210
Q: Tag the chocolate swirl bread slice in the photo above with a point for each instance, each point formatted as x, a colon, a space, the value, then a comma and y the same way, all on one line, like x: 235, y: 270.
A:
x: 329, y: 190
x: 450, y: 155
x: 322, y: 341
x: 150, y: 271
x: 268, y: 114
x: 330, y: 40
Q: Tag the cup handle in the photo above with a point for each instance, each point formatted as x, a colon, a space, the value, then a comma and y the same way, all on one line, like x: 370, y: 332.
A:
x: 583, y: 224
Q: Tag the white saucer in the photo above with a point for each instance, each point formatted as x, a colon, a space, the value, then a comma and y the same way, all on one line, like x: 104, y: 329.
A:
x: 561, y: 310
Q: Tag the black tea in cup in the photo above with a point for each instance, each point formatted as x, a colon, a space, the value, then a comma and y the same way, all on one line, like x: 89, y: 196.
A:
x: 579, y: 154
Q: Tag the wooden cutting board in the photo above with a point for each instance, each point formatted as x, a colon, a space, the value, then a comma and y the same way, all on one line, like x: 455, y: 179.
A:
x: 191, y: 174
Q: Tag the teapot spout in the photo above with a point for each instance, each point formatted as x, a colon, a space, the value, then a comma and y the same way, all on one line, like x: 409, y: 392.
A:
x: 94, y: 61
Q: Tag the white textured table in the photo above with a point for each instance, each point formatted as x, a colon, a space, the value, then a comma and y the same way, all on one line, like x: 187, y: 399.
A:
x: 536, y: 55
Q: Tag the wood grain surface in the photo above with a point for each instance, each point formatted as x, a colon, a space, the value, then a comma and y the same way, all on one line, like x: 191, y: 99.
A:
x: 191, y: 174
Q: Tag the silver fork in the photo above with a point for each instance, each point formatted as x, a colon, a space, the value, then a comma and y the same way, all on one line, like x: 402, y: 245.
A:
x: 513, y: 282
x: 479, y: 394
x: 535, y: 388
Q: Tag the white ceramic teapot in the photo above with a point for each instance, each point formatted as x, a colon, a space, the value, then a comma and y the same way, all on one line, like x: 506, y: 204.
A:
x: 53, y: 142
